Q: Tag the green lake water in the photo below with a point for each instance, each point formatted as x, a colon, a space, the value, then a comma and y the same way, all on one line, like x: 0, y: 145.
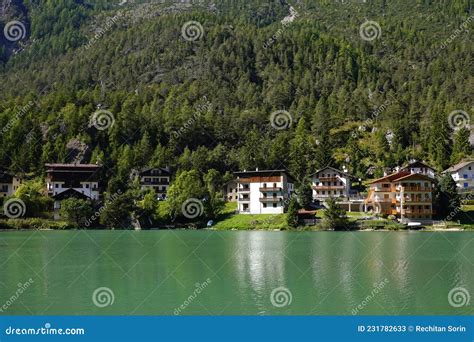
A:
x: 235, y: 273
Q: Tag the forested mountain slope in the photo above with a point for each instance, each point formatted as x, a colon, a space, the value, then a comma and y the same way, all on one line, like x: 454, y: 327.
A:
x: 348, y: 98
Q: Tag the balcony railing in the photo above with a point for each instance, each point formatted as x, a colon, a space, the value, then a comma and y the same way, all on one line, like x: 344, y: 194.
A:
x: 415, y: 200
x: 154, y: 183
x: 329, y: 187
x: 270, y: 189
x: 390, y: 189
x: 421, y: 211
x: 414, y: 189
x: 328, y: 179
x: 271, y: 199
x: 243, y: 190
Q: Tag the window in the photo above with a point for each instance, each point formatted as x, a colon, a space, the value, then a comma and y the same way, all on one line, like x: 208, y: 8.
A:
x: 56, y: 186
x: 274, y: 205
x: 470, y: 168
x: 340, y: 183
x: 274, y: 195
x: 87, y: 186
x: 264, y: 205
x: 264, y: 195
x: 264, y: 185
x: 323, y: 192
x: 340, y: 192
x: 466, y: 185
x: 274, y: 185
x: 464, y: 176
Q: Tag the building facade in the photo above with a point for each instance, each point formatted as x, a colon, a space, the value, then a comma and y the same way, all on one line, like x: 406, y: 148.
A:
x: 407, y: 196
x: 263, y: 192
x: 81, y: 178
x: 463, y: 174
x: 65, y: 181
x: 419, y: 168
x: 156, y: 178
x: 230, y: 191
x: 331, y: 182
x: 9, y: 183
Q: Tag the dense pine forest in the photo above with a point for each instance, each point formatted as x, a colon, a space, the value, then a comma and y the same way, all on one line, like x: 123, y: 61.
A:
x: 206, y: 98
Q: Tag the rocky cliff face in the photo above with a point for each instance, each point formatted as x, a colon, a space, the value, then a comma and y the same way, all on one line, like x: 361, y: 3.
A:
x: 12, y: 9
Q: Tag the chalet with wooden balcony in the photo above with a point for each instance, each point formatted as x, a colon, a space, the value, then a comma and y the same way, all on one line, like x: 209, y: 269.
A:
x: 72, y: 181
x: 156, y: 178
x: 418, y: 167
x: 408, y: 196
x: 9, y: 183
x: 331, y: 182
x: 263, y: 191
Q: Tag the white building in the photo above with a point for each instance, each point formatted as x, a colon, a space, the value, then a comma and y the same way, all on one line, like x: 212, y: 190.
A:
x: 9, y: 183
x: 331, y: 182
x: 81, y: 178
x: 263, y: 192
x: 230, y: 191
x: 156, y: 178
x: 417, y: 167
x: 463, y: 174
x: 65, y: 181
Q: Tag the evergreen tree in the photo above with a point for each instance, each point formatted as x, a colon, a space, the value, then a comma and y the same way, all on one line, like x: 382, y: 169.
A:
x: 462, y: 147
x: 446, y: 200
x: 305, y: 194
x: 292, y: 214
x: 334, y: 217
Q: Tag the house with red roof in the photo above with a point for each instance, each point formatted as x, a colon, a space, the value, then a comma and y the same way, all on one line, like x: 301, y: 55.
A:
x: 406, y: 195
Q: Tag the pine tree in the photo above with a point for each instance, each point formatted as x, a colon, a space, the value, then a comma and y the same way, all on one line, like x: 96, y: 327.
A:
x: 462, y: 147
x: 446, y: 199
x: 305, y: 194
x: 292, y: 214
x: 334, y: 216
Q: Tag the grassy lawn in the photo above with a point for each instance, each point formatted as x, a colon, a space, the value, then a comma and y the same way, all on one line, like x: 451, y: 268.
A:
x: 249, y: 222
x: 228, y: 220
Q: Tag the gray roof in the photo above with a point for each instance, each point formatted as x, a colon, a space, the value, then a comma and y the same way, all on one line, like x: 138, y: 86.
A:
x: 458, y: 166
